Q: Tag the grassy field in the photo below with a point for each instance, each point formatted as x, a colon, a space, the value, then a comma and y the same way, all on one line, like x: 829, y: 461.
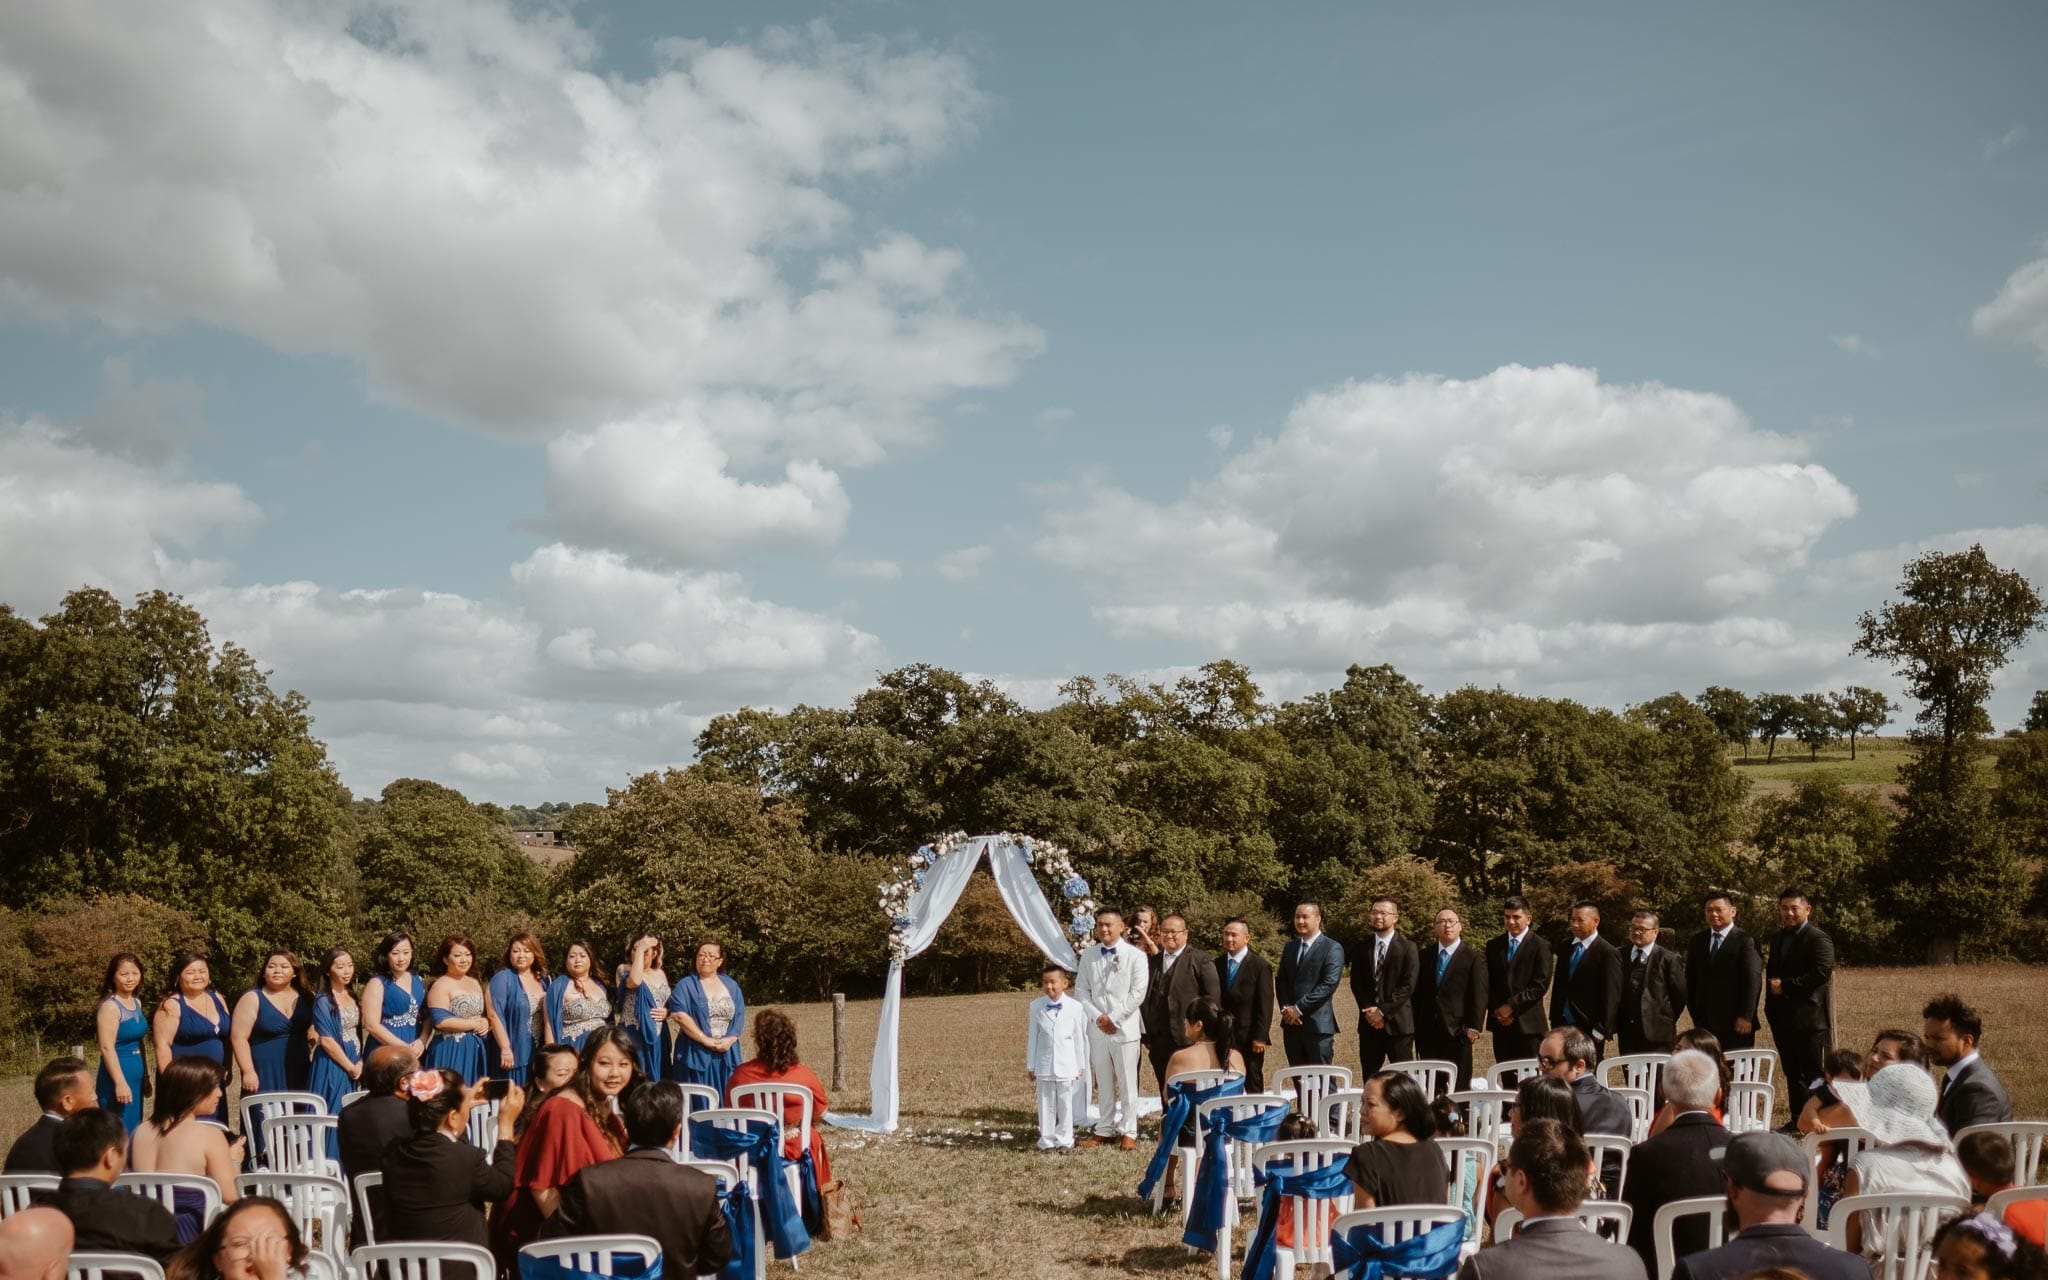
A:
x: 1876, y: 765
x: 958, y: 1191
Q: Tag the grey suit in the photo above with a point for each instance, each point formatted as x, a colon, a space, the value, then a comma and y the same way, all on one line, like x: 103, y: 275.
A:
x: 1553, y: 1247
x: 1306, y: 982
x: 1970, y: 1096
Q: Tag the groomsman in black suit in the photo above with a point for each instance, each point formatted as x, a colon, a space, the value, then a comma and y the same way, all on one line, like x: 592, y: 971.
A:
x: 1798, y: 976
x: 1450, y: 998
x: 1383, y: 983
x: 1724, y: 976
x: 1586, y: 991
x: 1517, y: 979
x: 1652, y: 989
x: 1247, y: 984
x: 1310, y: 968
x: 1181, y: 975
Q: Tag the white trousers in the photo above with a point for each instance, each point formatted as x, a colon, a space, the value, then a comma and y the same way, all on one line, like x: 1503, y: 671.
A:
x: 1115, y: 1065
x: 1056, y: 1100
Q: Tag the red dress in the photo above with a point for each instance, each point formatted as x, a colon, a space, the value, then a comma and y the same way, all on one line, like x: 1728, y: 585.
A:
x: 561, y: 1140
x: 752, y: 1072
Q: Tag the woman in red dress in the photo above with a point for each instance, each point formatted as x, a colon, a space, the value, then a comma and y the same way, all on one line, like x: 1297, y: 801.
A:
x: 775, y: 1062
x: 575, y: 1127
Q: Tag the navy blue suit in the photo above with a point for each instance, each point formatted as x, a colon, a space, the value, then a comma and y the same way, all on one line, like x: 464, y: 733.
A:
x: 1307, y: 981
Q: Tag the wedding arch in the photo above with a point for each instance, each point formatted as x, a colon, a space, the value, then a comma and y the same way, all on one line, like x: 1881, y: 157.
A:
x: 921, y: 894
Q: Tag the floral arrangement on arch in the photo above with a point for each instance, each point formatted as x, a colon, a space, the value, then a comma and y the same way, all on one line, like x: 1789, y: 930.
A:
x: 1047, y: 859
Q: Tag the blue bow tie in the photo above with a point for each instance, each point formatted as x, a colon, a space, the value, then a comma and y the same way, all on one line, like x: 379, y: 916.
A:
x: 1053, y: 1006
x: 1108, y: 949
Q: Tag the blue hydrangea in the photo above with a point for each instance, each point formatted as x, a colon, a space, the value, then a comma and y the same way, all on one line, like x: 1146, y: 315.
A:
x: 1083, y: 926
x: 918, y: 875
x: 1075, y: 887
x: 900, y: 922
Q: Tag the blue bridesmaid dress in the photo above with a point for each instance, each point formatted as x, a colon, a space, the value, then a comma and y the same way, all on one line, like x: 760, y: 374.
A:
x: 400, y: 1014
x: 129, y: 1034
x: 277, y: 1045
x: 198, y: 1038
x: 515, y: 1011
x: 648, y: 1026
x: 571, y: 1018
x: 693, y: 1063
x: 460, y: 1051
x: 338, y: 1023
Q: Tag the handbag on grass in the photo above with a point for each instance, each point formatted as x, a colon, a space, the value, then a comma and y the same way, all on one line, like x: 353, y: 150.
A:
x: 842, y: 1210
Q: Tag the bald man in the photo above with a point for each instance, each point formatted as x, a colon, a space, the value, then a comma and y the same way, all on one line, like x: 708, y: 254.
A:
x: 34, y: 1244
x: 368, y: 1125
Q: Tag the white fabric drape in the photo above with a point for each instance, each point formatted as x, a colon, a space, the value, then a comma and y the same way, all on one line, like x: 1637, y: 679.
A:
x: 1019, y: 886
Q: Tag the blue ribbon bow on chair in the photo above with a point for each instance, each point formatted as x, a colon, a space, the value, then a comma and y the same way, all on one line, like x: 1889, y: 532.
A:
x: 1181, y: 1100
x: 623, y: 1268
x: 761, y: 1143
x: 1429, y: 1256
x: 1212, y: 1180
x: 1326, y: 1183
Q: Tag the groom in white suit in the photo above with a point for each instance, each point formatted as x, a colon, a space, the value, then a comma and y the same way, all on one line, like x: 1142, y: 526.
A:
x: 1112, y: 991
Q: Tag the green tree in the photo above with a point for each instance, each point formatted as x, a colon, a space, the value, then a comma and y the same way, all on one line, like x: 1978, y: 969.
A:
x: 1814, y: 724
x: 1833, y: 842
x: 425, y: 851
x: 1775, y: 713
x: 1415, y: 885
x: 2037, y: 713
x: 1861, y: 710
x: 1732, y: 713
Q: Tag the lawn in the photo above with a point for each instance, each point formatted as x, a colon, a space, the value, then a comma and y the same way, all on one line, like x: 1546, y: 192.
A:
x: 1876, y: 764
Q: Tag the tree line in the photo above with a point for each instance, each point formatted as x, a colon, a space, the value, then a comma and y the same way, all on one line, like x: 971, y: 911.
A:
x: 1815, y: 721
x: 157, y: 793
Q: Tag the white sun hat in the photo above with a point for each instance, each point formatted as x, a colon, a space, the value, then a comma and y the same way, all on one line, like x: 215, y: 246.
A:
x: 1896, y: 1105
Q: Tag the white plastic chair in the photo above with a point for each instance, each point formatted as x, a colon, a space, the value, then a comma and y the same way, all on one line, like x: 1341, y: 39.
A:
x: 18, y: 1189
x: 1394, y: 1223
x: 367, y: 1181
x: 1712, y: 1208
x: 2027, y: 1137
x: 1635, y: 1071
x: 1758, y: 1066
x: 317, y: 1203
x: 323, y: 1266
x: 774, y: 1099
x: 1611, y: 1151
x: 418, y: 1260
x: 1598, y: 1215
x: 1190, y: 1156
x: 163, y: 1188
x: 699, y: 1097
x: 1342, y: 1115
x: 258, y: 1109
x: 1857, y: 1140
x: 595, y: 1255
x: 298, y: 1144
x: 1433, y: 1076
x: 728, y: 1177
x: 1903, y: 1224
x: 1476, y: 1156
x: 1310, y: 1085
x: 482, y: 1130
x: 1748, y: 1106
x: 739, y: 1119
x: 1237, y: 1151
x: 1312, y: 1218
x: 1486, y: 1115
x: 347, y: 1098
x: 1508, y: 1075
x: 1642, y: 1109
x: 107, y: 1266
x: 1996, y: 1205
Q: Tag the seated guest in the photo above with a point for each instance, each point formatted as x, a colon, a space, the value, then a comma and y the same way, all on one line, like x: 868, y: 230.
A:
x: 1764, y: 1177
x: 572, y: 1128
x: 1400, y: 1163
x: 1971, y: 1093
x: 369, y: 1125
x: 1542, y: 1098
x: 178, y: 1139
x: 1889, y: 1046
x: 554, y: 1069
x: 255, y: 1239
x: 1988, y: 1162
x: 435, y: 1184
x: 92, y: 1149
x: 35, y: 1244
x: 1678, y: 1163
x: 1546, y: 1184
x: 1710, y: 1044
x: 1910, y: 1150
x: 1570, y: 1055
x: 1983, y: 1248
x: 775, y: 1062
x: 1840, y: 1064
x: 645, y: 1192
x: 62, y: 1087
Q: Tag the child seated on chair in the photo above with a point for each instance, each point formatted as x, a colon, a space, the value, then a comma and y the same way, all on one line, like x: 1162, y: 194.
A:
x: 1056, y: 1057
x: 1294, y: 1128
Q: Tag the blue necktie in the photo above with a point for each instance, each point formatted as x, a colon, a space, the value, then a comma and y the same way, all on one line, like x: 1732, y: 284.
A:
x: 1443, y: 962
x: 1578, y: 954
x: 1513, y: 942
x: 1233, y: 971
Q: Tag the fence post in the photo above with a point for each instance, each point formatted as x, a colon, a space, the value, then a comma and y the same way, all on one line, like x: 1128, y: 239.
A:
x: 838, y: 1041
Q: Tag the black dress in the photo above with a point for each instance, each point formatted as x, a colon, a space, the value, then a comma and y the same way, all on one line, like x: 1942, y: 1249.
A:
x: 1400, y: 1172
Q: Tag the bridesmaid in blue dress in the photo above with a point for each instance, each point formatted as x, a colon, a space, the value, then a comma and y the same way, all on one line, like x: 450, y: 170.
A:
x: 336, y: 1019
x: 577, y: 1002
x: 269, y: 1029
x: 709, y: 1014
x: 394, y: 999
x: 122, y: 1026
x: 455, y: 1002
x: 643, y: 996
x: 193, y: 1022
x: 514, y: 1004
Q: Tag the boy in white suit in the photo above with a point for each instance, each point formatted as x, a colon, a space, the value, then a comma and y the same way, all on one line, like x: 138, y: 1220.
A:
x: 1055, y: 1054
x: 1112, y: 992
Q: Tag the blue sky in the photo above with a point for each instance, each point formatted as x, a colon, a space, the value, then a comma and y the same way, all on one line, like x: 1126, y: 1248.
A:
x: 528, y: 384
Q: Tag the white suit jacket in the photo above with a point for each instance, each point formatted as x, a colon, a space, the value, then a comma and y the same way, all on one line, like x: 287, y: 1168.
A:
x: 1114, y: 985
x: 1057, y: 1046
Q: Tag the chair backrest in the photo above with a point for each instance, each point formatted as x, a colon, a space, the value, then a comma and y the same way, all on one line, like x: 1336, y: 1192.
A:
x: 729, y: 1178
x: 698, y: 1097
x: 1310, y: 1085
x: 1486, y: 1114
x: 1469, y: 1161
x: 1396, y: 1223
x: 1712, y: 1208
x: 594, y: 1255
x: 1635, y: 1071
x: 1312, y: 1218
x: 1237, y: 1151
x: 298, y: 1144
x: 108, y: 1266
x: 736, y: 1118
x: 347, y: 1098
x: 1856, y: 1140
x: 257, y: 1108
x: 1760, y: 1065
x: 318, y: 1203
x: 1508, y: 1075
x: 482, y: 1129
x: 774, y: 1098
x: 1748, y: 1106
x: 1898, y: 1230
x: 1608, y: 1219
x: 1433, y: 1075
x: 16, y: 1189
x: 418, y: 1260
x: 1341, y: 1115
x: 323, y: 1266
x: 1642, y: 1109
x: 1996, y: 1205
x: 1202, y: 1077
x: 163, y: 1188
x: 369, y: 1182
x: 2027, y: 1138
x: 1611, y: 1150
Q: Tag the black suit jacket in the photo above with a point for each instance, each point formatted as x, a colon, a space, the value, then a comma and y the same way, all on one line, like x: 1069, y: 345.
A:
x: 1554, y: 1247
x: 1249, y: 1000
x: 1602, y: 1109
x: 365, y: 1130
x: 1458, y: 1003
x: 1652, y: 993
x: 1395, y: 994
x: 1521, y: 985
x: 435, y: 1189
x: 1726, y: 987
x: 645, y: 1192
x: 1674, y: 1165
x: 1803, y: 960
x: 1972, y: 1096
x: 31, y: 1152
x: 1168, y: 994
x: 1772, y: 1245
x: 1594, y: 991
x: 112, y: 1220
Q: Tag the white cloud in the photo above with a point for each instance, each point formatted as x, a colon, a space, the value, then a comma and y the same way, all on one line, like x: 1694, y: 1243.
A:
x: 1876, y: 572
x: 1220, y: 438
x: 1854, y: 344
x: 2004, y: 142
x: 2020, y: 311
x: 875, y: 569
x: 965, y: 563
x: 1055, y: 416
